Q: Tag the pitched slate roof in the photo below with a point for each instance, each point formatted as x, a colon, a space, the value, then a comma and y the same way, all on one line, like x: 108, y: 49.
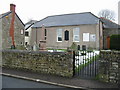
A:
x: 109, y: 24
x: 4, y: 14
x: 29, y: 24
x: 7, y: 13
x: 68, y: 19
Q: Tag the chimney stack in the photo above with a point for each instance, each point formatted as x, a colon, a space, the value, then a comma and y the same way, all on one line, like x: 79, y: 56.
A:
x: 12, y: 7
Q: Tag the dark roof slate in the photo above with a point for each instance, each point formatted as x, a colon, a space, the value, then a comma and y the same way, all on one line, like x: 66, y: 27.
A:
x: 109, y: 24
x: 68, y: 20
x: 7, y: 13
x: 4, y: 14
x: 29, y: 24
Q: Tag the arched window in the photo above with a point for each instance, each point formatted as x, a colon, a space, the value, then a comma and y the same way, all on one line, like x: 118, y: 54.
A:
x: 45, y: 34
x: 66, y: 35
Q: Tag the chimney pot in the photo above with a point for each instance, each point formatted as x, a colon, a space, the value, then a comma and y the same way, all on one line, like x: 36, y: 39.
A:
x: 12, y: 7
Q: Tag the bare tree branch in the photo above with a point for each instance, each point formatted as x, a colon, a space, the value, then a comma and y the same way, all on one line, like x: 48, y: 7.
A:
x: 108, y: 14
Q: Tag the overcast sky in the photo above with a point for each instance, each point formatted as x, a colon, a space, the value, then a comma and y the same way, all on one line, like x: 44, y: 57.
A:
x: 39, y: 9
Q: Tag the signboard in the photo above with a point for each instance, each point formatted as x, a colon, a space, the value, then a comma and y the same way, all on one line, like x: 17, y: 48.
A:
x: 92, y: 37
x: 86, y: 37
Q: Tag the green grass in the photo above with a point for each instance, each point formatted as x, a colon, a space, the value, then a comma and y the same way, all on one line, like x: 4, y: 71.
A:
x: 58, y: 49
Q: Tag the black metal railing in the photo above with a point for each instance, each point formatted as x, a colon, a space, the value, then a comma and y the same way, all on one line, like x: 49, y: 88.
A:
x: 85, y: 63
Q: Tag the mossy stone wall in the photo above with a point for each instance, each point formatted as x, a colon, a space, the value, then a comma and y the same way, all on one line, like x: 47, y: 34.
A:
x: 109, y: 66
x: 56, y: 63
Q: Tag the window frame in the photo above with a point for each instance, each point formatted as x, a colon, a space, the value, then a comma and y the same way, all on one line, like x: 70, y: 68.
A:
x: 27, y: 34
x: 66, y: 35
x: 45, y: 34
x: 60, y: 35
x: 74, y: 34
x: 22, y: 32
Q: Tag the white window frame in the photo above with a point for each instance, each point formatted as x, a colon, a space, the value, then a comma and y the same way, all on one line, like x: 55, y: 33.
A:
x: 86, y: 37
x: 59, y: 35
x: 76, y: 35
x: 21, y: 31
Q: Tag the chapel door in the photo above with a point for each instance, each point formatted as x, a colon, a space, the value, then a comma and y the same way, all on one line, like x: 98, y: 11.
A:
x: 108, y: 42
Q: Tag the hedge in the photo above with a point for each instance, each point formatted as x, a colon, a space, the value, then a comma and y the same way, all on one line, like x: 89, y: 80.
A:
x: 115, y: 42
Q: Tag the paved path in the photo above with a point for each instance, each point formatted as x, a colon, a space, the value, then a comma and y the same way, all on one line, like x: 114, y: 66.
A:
x: 74, y: 82
x: 89, y: 71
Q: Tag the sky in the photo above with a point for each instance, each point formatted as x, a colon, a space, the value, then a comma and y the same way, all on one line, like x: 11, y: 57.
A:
x: 39, y: 9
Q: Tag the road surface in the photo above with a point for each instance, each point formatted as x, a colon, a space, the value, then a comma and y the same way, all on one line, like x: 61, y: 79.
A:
x: 10, y: 82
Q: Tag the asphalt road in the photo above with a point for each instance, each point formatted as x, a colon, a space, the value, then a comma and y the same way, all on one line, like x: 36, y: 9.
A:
x: 10, y: 82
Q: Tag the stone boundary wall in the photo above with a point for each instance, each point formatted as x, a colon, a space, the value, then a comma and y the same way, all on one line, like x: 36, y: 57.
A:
x: 109, y: 66
x: 56, y: 63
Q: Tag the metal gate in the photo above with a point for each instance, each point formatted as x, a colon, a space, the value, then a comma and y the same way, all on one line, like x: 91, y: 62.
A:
x: 85, y: 63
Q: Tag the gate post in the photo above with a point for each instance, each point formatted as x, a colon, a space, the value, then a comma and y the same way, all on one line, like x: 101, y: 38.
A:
x: 119, y: 73
x: 73, y: 63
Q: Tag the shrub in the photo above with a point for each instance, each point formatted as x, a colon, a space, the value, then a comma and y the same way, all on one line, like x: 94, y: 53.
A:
x: 115, y: 42
x: 20, y: 47
x: 73, y: 46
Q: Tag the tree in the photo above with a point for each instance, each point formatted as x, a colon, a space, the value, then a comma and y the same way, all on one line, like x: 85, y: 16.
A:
x: 108, y: 14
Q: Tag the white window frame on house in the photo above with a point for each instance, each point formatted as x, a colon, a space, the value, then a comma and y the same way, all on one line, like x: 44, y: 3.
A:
x: 21, y: 31
x: 86, y: 37
x: 76, y: 34
x: 59, y: 35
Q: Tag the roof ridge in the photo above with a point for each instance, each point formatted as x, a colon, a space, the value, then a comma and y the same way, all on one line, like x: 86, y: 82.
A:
x: 108, y: 20
x: 5, y: 14
x: 68, y: 14
x: 59, y: 19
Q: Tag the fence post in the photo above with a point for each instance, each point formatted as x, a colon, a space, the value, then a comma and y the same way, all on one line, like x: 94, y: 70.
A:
x: 73, y: 63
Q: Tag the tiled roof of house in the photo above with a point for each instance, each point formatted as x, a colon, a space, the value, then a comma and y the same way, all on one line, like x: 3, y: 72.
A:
x: 109, y: 24
x: 7, y: 13
x: 29, y: 24
x: 68, y: 20
x: 4, y: 14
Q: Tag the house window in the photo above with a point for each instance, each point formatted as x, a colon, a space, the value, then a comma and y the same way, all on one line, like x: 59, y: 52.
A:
x: 21, y: 31
x: 86, y: 37
x: 92, y: 37
x: 26, y: 33
x: 45, y: 34
x: 59, y: 35
x: 76, y: 35
x: 66, y: 35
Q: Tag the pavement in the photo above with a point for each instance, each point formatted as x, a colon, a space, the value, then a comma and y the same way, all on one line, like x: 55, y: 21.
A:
x: 22, y: 83
x: 74, y: 82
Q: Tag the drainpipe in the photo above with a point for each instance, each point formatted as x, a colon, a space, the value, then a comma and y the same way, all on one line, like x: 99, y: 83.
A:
x: 12, y: 9
x: 99, y: 33
x: 100, y: 37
